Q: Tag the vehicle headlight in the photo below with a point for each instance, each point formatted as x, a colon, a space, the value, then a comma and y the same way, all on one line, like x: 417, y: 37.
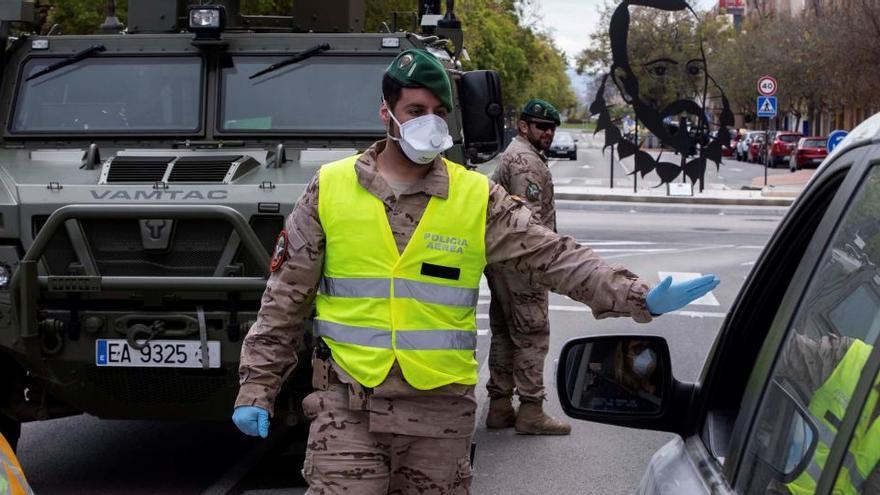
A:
x: 207, y: 20
x: 5, y: 275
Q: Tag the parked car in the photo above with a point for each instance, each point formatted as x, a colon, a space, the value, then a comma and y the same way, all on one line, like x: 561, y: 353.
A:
x: 781, y: 147
x: 563, y: 145
x: 742, y: 146
x: 728, y: 147
x: 810, y: 151
x: 756, y: 148
x: 786, y: 402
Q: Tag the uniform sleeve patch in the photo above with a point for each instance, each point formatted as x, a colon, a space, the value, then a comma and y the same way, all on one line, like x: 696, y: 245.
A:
x: 279, y: 255
x: 533, y: 192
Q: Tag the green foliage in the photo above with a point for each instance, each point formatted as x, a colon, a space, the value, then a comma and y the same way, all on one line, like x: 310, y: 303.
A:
x: 79, y: 16
x: 528, y: 62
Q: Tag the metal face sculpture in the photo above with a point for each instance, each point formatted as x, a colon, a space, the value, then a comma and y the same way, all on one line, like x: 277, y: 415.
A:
x: 667, y: 87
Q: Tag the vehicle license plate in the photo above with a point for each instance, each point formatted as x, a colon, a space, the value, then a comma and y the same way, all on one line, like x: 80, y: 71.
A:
x: 156, y: 354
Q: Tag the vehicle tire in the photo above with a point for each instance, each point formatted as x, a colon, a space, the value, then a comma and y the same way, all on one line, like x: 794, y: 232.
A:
x: 10, y: 429
x: 573, y: 157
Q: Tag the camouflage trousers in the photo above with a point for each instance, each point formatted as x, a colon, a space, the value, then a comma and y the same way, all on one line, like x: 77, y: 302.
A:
x: 344, y: 456
x: 519, y: 320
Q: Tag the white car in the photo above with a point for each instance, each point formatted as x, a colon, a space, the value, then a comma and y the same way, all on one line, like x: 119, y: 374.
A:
x: 741, y: 152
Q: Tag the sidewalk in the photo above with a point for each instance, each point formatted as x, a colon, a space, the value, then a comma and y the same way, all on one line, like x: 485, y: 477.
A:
x: 781, y: 190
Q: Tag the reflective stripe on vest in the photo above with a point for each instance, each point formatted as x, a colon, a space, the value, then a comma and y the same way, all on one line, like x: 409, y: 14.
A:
x: 378, y: 287
x: 12, y: 479
x: 828, y: 407
x: 376, y: 305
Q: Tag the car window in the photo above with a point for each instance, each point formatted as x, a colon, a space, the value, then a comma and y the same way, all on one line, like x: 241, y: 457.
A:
x: 814, y: 143
x: 563, y: 138
x: 788, y: 138
x: 829, y: 340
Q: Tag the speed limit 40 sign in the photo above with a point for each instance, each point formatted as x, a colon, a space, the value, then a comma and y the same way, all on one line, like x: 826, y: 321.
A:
x: 767, y: 86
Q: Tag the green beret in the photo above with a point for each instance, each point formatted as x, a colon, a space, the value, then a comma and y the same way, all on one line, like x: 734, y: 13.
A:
x: 541, y: 109
x: 419, y: 69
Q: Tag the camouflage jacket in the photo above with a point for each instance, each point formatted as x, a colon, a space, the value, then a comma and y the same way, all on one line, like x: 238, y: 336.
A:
x: 513, y: 241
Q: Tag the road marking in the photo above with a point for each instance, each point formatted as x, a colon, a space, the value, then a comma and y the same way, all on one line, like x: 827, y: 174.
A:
x: 561, y: 182
x: 699, y: 314
x: 551, y: 163
x: 616, y: 243
x: 707, y: 300
x: 585, y: 309
x: 734, y: 169
x: 482, y: 332
x: 676, y: 251
x: 586, y: 166
x: 750, y: 247
x: 482, y: 316
x: 658, y: 250
x: 747, y: 263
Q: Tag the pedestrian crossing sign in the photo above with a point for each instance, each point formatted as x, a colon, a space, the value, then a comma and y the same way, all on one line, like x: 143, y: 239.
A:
x: 766, y: 106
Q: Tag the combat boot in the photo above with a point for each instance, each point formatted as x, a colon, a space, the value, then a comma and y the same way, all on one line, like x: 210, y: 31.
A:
x: 531, y: 420
x: 501, y: 413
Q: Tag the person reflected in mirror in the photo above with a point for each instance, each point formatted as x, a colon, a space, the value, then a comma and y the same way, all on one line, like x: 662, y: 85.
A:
x: 628, y: 381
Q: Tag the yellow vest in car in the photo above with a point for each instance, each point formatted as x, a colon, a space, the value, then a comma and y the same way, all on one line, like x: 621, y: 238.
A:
x: 376, y: 305
x: 12, y: 480
x: 828, y: 406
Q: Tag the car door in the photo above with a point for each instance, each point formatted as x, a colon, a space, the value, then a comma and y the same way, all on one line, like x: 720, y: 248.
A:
x: 815, y: 426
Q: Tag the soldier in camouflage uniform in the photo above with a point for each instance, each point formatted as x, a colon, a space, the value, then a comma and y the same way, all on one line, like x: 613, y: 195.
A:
x: 518, y: 312
x: 394, y: 438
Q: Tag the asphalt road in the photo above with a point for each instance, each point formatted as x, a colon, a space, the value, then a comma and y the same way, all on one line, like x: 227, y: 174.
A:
x: 90, y: 456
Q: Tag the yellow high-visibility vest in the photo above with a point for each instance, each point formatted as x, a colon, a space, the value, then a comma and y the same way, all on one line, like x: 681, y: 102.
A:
x: 828, y: 407
x: 12, y: 480
x: 376, y: 305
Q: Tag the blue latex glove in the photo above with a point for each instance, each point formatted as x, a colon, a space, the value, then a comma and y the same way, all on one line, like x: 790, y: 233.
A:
x: 251, y: 420
x: 666, y: 296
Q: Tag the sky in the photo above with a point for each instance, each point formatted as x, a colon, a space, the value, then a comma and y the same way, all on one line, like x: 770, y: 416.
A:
x: 571, y: 21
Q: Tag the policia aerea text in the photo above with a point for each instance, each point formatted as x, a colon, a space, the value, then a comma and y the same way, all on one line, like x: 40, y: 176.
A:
x: 394, y: 372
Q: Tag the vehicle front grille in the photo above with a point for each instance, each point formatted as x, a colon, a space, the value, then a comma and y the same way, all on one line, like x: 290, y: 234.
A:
x: 146, y: 386
x: 194, y: 250
x: 211, y: 169
x: 267, y: 228
x: 132, y: 169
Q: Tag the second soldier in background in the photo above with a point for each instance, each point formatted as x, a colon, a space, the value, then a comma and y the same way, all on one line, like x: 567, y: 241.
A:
x: 518, y: 313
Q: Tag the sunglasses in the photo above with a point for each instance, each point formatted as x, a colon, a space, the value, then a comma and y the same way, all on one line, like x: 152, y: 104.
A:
x: 543, y: 126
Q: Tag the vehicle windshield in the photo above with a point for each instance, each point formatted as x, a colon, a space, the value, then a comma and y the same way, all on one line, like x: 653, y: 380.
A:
x: 563, y: 138
x: 789, y: 138
x: 320, y: 94
x: 814, y: 143
x: 110, y: 94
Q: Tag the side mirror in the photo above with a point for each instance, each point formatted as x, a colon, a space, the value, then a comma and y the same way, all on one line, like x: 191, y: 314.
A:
x: 787, y: 432
x: 481, y: 114
x: 624, y: 380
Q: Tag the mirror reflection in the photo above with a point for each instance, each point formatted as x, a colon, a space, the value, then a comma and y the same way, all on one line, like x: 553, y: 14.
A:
x: 616, y: 375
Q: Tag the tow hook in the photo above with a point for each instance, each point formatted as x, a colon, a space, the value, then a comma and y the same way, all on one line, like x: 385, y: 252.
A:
x: 144, y: 333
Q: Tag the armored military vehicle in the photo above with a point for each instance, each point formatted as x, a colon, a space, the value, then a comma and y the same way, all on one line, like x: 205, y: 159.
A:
x: 145, y: 173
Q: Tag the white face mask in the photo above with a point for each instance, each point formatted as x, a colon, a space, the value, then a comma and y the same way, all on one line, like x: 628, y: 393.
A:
x: 422, y: 138
x: 644, y: 363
